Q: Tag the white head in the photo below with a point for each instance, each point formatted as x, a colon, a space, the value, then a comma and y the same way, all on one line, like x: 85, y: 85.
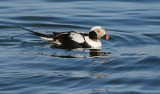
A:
x: 96, y: 27
x: 97, y: 32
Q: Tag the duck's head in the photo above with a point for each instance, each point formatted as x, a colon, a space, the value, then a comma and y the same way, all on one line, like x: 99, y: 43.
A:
x: 97, y: 32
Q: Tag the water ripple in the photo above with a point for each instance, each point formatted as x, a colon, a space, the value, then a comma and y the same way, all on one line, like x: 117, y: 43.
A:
x: 128, y: 63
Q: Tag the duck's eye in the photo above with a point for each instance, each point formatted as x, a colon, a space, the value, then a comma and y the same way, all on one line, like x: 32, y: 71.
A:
x: 99, y: 31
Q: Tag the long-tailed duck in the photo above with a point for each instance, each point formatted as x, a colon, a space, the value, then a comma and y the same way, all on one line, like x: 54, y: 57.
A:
x: 75, y: 39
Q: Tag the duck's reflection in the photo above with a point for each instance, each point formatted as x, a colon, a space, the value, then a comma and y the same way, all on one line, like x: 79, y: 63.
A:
x: 93, y: 53
x: 97, y: 53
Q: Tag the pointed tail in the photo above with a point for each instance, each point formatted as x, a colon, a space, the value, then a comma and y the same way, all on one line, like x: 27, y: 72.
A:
x: 48, y: 37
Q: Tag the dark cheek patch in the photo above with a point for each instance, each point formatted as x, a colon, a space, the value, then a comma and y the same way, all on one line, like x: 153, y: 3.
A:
x: 93, y: 35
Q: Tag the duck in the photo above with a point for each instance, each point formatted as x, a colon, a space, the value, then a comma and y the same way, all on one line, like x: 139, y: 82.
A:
x: 75, y: 39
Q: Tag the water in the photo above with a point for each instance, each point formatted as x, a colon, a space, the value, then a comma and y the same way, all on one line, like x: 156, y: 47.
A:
x: 128, y: 63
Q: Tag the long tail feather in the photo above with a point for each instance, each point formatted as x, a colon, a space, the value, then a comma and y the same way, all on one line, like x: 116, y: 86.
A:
x: 48, y: 37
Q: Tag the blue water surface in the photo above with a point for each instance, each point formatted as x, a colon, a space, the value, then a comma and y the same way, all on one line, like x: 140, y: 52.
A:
x: 128, y: 63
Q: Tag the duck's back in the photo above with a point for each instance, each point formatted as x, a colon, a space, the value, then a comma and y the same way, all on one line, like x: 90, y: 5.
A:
x: 73, y: 39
